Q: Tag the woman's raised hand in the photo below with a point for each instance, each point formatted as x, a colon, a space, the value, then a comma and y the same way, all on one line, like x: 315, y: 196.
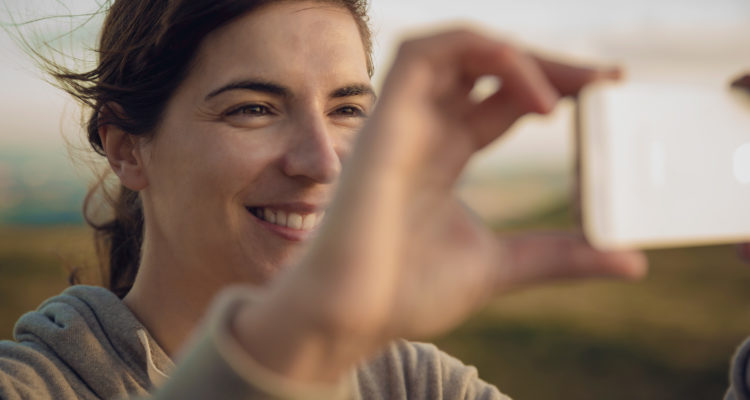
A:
x: 399, y: 256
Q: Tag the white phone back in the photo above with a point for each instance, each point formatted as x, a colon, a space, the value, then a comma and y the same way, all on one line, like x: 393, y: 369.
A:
x: 664, y: 165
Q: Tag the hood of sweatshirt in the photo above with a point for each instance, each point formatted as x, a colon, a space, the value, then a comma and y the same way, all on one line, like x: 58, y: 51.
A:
x: 95, y: 341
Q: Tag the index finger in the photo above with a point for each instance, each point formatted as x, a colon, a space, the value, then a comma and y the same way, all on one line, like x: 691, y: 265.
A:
x: 570, y: 79
x: 462, y: 56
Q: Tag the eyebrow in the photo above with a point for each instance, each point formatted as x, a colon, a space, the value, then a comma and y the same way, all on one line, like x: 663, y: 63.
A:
x: 254, y: 85
x: 354, y: 90
x: 278, y: 90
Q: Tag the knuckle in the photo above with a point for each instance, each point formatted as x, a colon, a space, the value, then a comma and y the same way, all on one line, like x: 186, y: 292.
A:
x: 507, y: 52
x: 408, y: 46
x: 412, y: 48
x: 465, y: 33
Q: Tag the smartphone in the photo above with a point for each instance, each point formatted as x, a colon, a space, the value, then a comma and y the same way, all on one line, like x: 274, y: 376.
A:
x: 664, y: 164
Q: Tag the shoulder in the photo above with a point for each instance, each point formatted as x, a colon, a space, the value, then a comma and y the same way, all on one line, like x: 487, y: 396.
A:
x: 26, y: 372
x: 83, y: 321
x: 407, y: 369
x: 71, y: 310
x: 64, y: 346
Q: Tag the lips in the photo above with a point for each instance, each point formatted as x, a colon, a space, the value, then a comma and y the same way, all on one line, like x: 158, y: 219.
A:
x: 301, y: 221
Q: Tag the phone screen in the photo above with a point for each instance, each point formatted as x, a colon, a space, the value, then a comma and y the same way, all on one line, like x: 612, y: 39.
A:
x: 664, y: 165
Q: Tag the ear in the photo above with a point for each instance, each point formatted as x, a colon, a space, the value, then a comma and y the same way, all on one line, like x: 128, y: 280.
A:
x: 124, y: 154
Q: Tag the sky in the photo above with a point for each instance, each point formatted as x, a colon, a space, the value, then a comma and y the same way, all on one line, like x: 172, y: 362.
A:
x: 677, y: 40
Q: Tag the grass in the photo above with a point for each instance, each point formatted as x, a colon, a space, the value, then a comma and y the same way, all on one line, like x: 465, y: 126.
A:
x: 670, y: 336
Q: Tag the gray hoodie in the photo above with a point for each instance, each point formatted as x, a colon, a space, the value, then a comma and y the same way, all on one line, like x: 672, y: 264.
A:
x: 86, y: 344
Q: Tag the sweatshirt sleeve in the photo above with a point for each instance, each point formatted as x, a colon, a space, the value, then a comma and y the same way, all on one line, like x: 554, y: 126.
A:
x: 27, y: 374
x: 409, y: 370
x: 218, y: 367
x: 739, y: 378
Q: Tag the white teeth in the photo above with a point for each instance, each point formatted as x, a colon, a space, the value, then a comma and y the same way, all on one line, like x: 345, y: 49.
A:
x: 280, y: 218
x: 294, y: 221
x: 308, y: 222
x: 269, y: 216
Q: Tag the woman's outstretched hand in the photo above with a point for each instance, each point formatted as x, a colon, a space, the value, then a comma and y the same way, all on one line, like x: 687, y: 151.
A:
x: 398, y: 255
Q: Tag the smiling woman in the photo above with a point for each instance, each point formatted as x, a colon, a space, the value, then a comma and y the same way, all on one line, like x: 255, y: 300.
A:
x: 256, y: 129
x: 184, y: 52
x: 227, y: 124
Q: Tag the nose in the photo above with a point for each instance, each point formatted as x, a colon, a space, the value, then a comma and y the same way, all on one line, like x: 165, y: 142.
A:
x: 312, y: 153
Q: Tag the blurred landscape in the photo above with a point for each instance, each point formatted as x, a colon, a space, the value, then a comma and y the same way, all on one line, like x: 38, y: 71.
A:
x: 670, y: 336
x: 39, y: 188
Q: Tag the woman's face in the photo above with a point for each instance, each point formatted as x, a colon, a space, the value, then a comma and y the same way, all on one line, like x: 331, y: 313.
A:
x: 247, y: 155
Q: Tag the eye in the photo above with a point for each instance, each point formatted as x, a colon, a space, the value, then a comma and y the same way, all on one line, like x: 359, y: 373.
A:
x: 350, y: 111
x: 257, y: 110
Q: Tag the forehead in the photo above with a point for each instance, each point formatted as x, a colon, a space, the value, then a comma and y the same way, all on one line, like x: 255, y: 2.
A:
x: 290, y: 42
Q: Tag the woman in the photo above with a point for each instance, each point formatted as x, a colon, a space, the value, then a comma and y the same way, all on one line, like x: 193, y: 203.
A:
x: 227, y: 123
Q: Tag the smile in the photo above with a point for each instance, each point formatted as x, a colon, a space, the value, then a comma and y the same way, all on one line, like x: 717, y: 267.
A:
x: 291, y: 220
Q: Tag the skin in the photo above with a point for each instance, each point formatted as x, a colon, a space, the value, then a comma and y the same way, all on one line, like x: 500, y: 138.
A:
x: 398, y: 255
x: 257, y: 123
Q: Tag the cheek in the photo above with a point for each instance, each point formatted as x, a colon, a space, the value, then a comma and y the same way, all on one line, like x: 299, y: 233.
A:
x: 236, y: 166
x: 344, y: 139
x: 215, y: 165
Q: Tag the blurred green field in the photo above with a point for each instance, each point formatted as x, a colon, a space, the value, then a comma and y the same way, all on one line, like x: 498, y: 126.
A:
x: 670, y: 336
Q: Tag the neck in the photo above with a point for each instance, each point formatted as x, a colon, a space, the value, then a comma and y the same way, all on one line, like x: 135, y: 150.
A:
x: 167, y: 301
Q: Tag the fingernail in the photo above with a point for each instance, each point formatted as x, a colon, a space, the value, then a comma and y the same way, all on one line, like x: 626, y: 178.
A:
x: 616, y: 73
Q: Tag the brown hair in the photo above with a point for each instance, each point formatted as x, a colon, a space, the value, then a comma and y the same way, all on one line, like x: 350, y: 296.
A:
x: 145, y: 52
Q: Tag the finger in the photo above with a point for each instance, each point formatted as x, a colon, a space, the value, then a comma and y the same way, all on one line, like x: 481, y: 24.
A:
x: 525, y: 89
x: 443, y: 69
x: 570, y: 79
x: 536, y: 258
x: 523, y: 81
x: 742, y: 82
x: 463, y: 56
x: 545, y: 76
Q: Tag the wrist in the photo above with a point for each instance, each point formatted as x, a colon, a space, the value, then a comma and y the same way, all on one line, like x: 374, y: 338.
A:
x: 290, y: 344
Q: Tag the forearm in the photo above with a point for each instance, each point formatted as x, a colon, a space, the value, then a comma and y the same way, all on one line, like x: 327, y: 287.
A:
x: 217, y: 365
x: 285, y: 336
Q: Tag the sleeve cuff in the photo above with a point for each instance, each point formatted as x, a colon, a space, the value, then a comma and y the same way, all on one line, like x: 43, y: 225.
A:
x: 217, y: 366
x: 740, y: 376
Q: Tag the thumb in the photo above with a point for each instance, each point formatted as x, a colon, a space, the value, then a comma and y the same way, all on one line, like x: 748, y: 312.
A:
x: 541, y: 257
x: 742, y: 82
